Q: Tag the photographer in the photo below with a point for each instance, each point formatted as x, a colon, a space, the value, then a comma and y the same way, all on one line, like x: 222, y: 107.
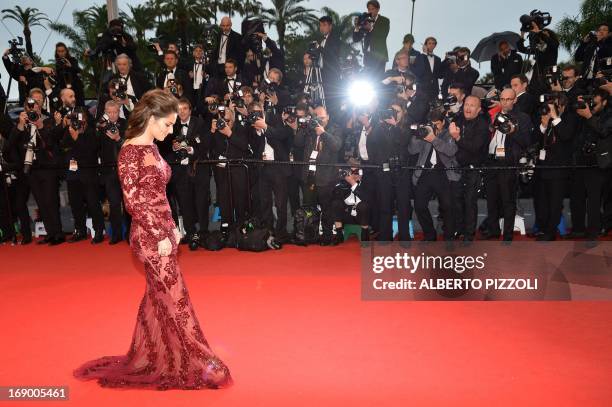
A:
x: 401, y: 74
x: 224, y: 86
x: 230, y: 141
x: 27, y: 76
x: 558, y: 124
x: 229, y: 47
x: 191, y: 143
x: 320, y: 143
x: 272, y: 94
x: 295, y: 182
x: 505, y: 64
x: 525, y: 101
x: 117, y: 92
x: 115, y: 41
x: 543, y: 44
x: 110, y: 137
x: 329, y: 60
x: 200, y: 70
x: 471, y: 134
x: 373, y: 29
x: 271, y: 143
x: 594, y: 47
x: 136, y: 83
x: 173, y: 79
x: 68, y: 73
x: 511, y: 136
x: 387, y: 145
x: 457, y: 68
x: 588, y: 185
x: 350, y: 204
x: 80, y: 150
x: 33, y: 149
x: 416, y: 59
x: 436, y: 150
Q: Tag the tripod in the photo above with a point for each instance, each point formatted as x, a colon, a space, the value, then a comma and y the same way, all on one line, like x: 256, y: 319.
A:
x: 314, y: 84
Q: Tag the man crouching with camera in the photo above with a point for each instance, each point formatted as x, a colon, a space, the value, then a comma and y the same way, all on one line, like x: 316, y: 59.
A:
x: 350, y: 205
x: 110, y: 134
x: 511, y: 136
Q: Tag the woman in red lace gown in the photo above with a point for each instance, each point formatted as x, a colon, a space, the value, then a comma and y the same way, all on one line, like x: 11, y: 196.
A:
x: 168, y: 349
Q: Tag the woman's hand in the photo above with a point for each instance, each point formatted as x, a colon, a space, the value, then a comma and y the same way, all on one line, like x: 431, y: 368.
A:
x: 177, y: 236
x: 164, y: 247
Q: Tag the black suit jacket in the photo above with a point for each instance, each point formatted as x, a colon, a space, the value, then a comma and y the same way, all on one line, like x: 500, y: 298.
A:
x: 429, y: 77
x: 218, y: 86
x: 234, y: 49
x: 331, y: 59
x: 376, y: 39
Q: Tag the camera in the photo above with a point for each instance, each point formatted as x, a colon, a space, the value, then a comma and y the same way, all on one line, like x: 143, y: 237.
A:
x: 314, y: 51
x: 387, y: 114
x: 237, y: 97
x: 545, y: 100
x: 542, y: 19
x: 171, y: 84
x: 253, y: 117
x: 421, y: 131
x: 33, y: 115
x: 268, y: 87
x: 450, y: 101
x: 105, y: 125
x: 454, y: 57
x: 504, y: 123
x: 291, y: 111
x: 120, y: 89
x: 77, y: 120
x: 64, y: 110
x: 363, y: 20
x: 221, y: 122
x: 553, y: 75
x: 308, y: 122
x: 344, y: 172
x: 587, y: 100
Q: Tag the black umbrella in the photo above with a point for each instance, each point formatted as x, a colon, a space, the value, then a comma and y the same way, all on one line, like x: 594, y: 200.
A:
x: 487, y: 47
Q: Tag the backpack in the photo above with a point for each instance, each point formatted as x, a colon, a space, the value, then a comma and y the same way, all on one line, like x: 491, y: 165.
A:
x: 306, y: 225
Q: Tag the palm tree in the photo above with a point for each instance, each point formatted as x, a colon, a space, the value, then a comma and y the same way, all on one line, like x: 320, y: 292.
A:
x: 143, y: 19
x: 571, y: 30
x: 28, y: 18
x: 82, y: 34
x: 287, y: 15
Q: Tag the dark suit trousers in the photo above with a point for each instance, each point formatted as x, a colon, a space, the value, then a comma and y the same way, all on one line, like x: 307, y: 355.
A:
x: 501, y: 200
x: 434, y: 182
x: 45, y: 186
x: 83, y: 194
x: 271, y: 181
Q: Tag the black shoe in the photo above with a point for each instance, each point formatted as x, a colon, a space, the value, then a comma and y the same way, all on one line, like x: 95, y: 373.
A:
x: 99, y: 238
x: 77, y: 237
x: 365, y: 234
x: 114, y: 240
x: 59, y: 239
x: 491, y: 236
x: 5, y: 239
x: 326, y: 241
x: 26, y: 240
x: 546, y: 238
x: 44, y: 240
x: 575, y: 235
x: 339, y: 238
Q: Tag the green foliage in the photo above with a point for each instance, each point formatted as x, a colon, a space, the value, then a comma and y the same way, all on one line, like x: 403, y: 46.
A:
x: 571, y: 30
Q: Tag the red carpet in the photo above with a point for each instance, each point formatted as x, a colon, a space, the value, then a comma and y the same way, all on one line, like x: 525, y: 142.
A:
x: 294, y: 332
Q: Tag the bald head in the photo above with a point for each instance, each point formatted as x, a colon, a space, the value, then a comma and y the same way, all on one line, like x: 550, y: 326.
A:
x: 471, y: 107
x: 226, y: 25
x: 68, y: 97
x: 507, y: 100
x: 321, y: 114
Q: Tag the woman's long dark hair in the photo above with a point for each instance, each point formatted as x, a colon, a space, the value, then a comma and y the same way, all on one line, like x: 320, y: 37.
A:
x: 156, y: 103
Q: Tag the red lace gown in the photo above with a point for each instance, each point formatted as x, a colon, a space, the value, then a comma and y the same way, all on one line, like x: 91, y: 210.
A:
x: 168, y: 349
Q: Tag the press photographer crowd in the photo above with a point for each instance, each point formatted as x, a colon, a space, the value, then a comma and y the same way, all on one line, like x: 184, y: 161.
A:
x: 350, y: 143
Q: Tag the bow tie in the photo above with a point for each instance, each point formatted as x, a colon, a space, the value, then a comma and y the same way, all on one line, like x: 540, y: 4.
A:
x: 231, y: 79
x: 185, y: 124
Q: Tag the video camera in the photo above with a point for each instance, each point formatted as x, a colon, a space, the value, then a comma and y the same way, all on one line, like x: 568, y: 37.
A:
x: 541, y: 19
x: 15, y: 49
x: 314, y: 50
x: 363, y: 20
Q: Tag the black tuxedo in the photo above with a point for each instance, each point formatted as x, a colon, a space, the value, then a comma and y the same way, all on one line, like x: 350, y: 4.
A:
x: 182, y: 78
x: 429, y: 77
x: 375, y: 44
x: 234, y: 50
x: 220, y: 86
